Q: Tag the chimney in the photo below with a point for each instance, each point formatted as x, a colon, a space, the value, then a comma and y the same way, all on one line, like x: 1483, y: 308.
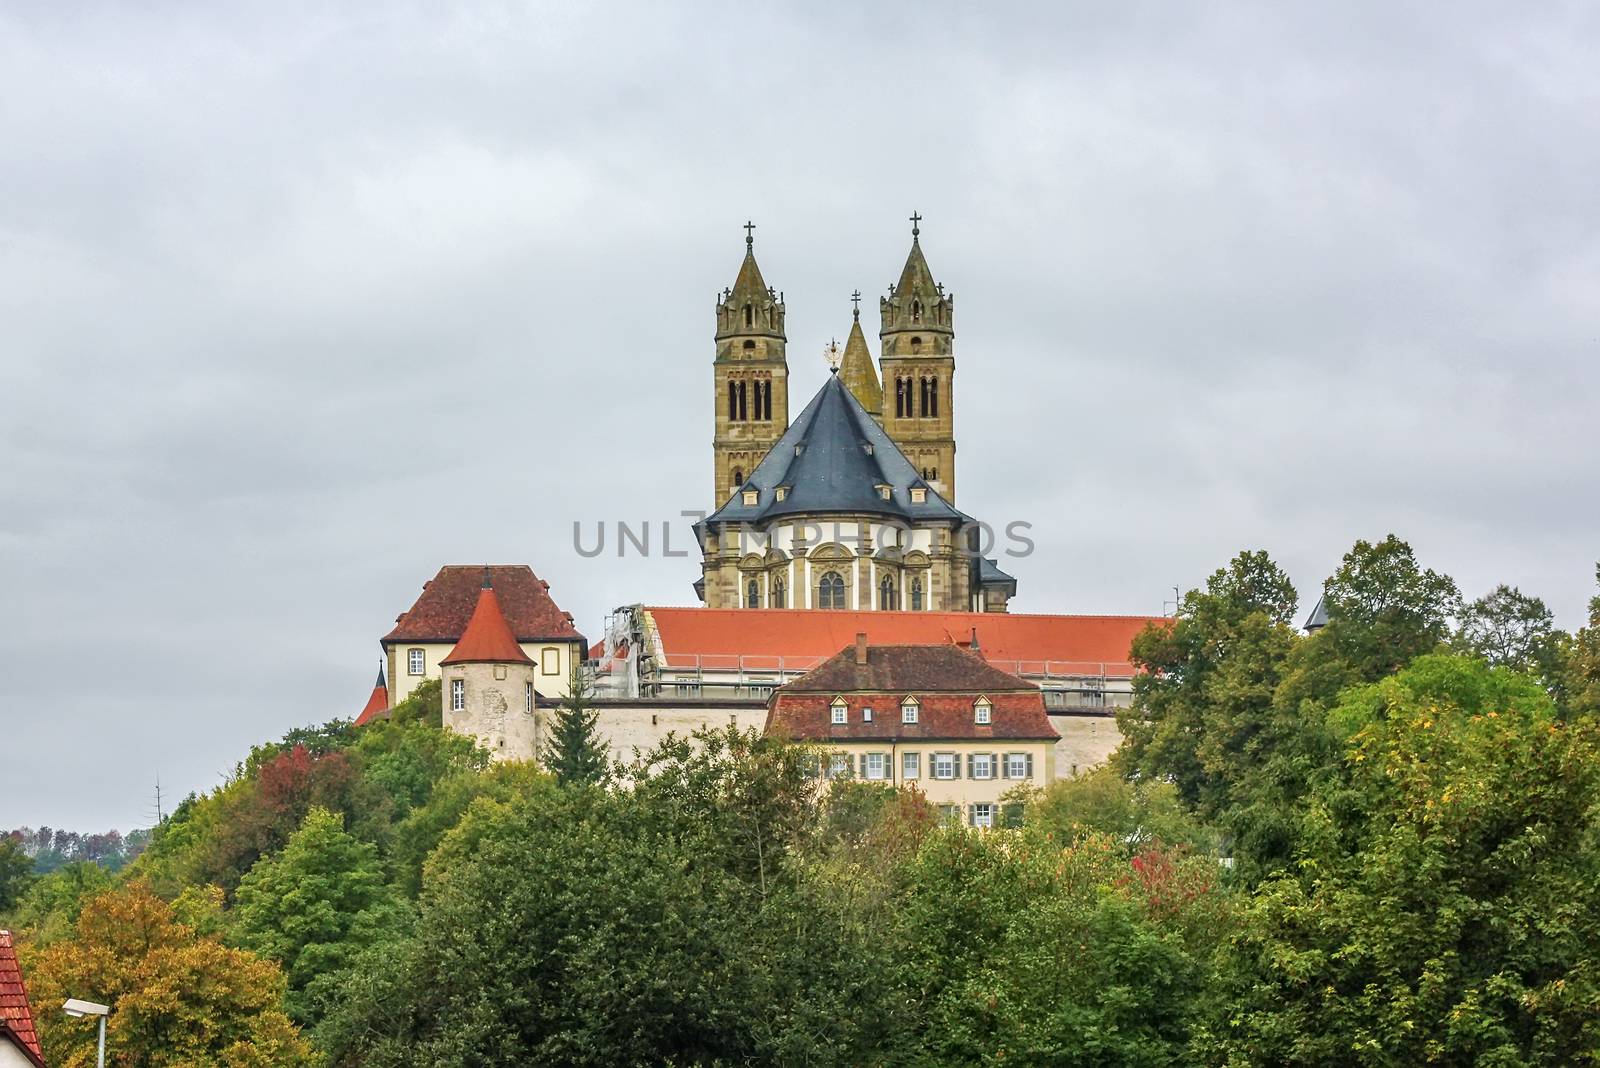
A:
x: 975, y: 640
x: 861, y: 647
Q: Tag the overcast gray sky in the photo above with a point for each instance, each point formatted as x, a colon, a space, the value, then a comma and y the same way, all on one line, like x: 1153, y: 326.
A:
x: 298, y: 304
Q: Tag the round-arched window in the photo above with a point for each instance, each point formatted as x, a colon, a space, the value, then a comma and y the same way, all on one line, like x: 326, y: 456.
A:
x: 830, y: 591
x: 753, y: 594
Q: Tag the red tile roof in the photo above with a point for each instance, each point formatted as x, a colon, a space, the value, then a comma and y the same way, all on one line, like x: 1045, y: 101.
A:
x: 1018, y: 643
x: 945, y: 680
x: 447, y: 603
x: 377, y: 704
x: 16, y: 1018
x: 488, y: 638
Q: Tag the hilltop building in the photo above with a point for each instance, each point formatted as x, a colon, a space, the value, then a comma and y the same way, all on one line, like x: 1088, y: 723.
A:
x: 488, y: 683
x: 377, y: 702
x: 937, y: 717
x: 426, y: 632
x: 851, y: 506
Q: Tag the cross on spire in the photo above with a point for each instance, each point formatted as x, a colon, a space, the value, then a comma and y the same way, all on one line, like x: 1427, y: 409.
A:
x: 855, y: 299
x: 915, y: 219
x: 749, y: 236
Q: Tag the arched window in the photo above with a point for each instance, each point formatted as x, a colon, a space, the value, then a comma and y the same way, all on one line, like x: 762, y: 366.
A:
x: 830, y: 592
x: 749, y: 315
x: 922, y: 394
x: 916, y: 344
x: 933, y: 396
x: 738, y: 478
x: 749, y: 346
x: 766, y: 402
x: 916, y: 314
x: 778, y: 592
x: 744, y: 412
x: 753, y: 594
x: 886, y: 594
x: 916, y: 595
x: 733, y: 400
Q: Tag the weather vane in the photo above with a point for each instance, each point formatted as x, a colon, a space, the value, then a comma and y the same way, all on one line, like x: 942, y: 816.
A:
x: 831, y: 353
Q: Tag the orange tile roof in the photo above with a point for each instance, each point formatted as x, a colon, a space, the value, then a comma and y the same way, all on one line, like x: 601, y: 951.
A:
x: 16, y: 1018
x: 377, y: 703
x: 441, y: 612
x: 488, y: 638
x: 1017, y: 643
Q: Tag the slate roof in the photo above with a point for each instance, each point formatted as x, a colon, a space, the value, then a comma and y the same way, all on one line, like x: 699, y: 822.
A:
x: 447, y: 603
x: 989, y: 574
x: 831, y: 461
x: 915, y: 277
x: 16, y: 1017
x: 945, y: 680
x: 1319, y: 616
x: 488, y: 638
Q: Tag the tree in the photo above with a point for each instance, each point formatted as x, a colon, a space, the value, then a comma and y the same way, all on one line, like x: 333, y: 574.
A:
x: 1579, y: 657
x: 177, y: 998
x: 16, y: 871
x: 1507, y: 628
x: 1384, y: 610
x: 312, y: 908
x: 576, y: 754
x: 1446, y: 902
x: 51, y: 905
x: 1135, y: 815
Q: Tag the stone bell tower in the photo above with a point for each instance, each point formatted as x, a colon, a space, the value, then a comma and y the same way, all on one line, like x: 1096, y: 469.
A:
x: 750, y: 376
x: 919, y: 368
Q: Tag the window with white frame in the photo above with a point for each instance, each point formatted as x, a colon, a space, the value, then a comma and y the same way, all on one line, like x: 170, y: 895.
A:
x: 983, y: 815
x: 866, y: 715
x: 981, y: 710
x: 527, y: 697
x: 1018, y: 766
x: 841, y: 713
x: 839, y: 765
x: 910, y: 765
x: 458, y: 695
x: 982, y: 765
x: 908, y: 710
x: 944, y: 765
x: 416, y: 662
x: 877, y: 766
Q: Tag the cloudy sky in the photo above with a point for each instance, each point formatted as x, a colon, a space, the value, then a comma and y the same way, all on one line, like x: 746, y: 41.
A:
x: 297, y: 305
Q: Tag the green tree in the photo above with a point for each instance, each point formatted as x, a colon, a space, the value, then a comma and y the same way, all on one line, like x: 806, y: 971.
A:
x: 1508, y: 628
x: 312, y: 907
x: 16, y: 872
x: 1579, y: 658
x: 1384, y: 609
x: 576, y: 753
x: 1446, y: 902
x: 1136, y: 815
x: 177, y: 998
x: 49, y: 908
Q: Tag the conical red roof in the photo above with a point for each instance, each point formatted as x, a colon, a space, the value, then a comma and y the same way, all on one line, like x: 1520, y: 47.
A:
x: 377, y: 704
x: 16, y: 1018
x: 488, y: 638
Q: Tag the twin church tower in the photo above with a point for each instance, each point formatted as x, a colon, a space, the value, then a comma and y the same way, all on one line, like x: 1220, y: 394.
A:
x: 851, y: 504
x: 913, y: 401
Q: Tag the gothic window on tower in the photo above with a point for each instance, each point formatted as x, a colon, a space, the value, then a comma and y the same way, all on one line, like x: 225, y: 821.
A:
x: 766, y: 402
x: 738, y: 478
x: 753, y: 594
x: 830, y: 591
x: 749, y: 346
x: 733, y: 400
x: 916, y: 344
x: 916, y: 315
x: 933, y: 396
x: 777, y: 593
x: 922, y: 395
x: 886, y: 594
x: 749, y: 315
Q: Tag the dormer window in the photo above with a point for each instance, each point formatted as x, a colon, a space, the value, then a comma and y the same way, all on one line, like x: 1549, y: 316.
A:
x: 982, y: 710
x: 908, y: 710
x: 919, y: 495
x: 841, y: 712
x: 781, y: 492
x: 800, y: 448
x: 867, y: 448
x: 751, y: 496
x: 885, y: 491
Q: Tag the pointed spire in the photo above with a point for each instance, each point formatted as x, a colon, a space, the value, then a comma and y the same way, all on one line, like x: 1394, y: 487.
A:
x: 488, y: 638
x: 488, y: 579
x: 751, y: 306
x: 858, y: 373
x: 377, y: 702
x: 916, y: 303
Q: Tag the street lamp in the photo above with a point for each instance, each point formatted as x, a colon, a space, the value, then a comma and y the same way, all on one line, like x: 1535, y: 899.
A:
x: 79, y: 1009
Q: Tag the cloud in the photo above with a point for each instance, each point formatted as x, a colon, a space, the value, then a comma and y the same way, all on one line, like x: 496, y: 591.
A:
x: 300, y: 304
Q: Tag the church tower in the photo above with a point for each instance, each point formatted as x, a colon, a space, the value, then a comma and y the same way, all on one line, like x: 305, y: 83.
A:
x: 856, y: 370
x: 751, y: 375
x: 919, y: 368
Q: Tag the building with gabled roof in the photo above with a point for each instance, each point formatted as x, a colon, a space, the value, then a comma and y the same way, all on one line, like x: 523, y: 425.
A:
x: 427, y: 631
x: 19, y: 1041
x: 937, y: 717
x: 488, y: 682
